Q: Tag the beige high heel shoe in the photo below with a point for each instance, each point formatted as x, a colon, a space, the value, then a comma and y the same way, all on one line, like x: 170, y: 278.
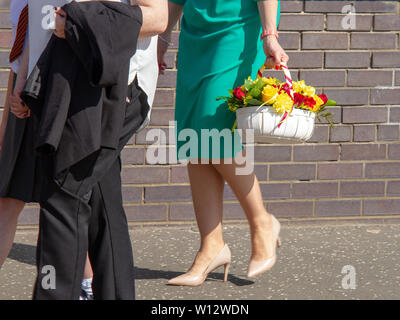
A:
x: 223, y: 258
x: 258, y: 267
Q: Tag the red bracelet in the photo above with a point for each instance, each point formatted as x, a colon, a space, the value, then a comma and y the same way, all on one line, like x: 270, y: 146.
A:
x: 269, y: 33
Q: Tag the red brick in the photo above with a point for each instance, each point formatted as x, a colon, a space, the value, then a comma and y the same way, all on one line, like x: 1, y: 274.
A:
x: 360, y: 6
x: 170, y: 193
x: 394, y: 151
x: 280, y: 75
x: 292, y: 172
x: 5, y: 39
x: 315, y: 190
x: 145, y: 213
x: 387, y: 22
x: 4, y: 59
x: 316, y: 153
x: 179, y: 174
x: 157, y: 155
x: 164, y: 98
x: 305, y: 59
x: 301, y: 22
x: 394, y: 114
x: 167, y: 80
x: 272, y: 153
x: 363, y: 22
x: 320, y: 135
x: 387, y: 206
x: 291, y: 6
x: 174, y: 40
x: 161, y: 117
x: 364, y: 115
x: 5, y: 20
x: 338, y: 208
x: 133, y: 156
x: 382, y: 170
x: 331, y: 40
x: 181, y: 212
x: 5, y: 4
x: 385, y: 96
x: 388, y: 132
x: 364, y: 133
x: 132, y: 194
x: 333, y: 171
x: 340, y: 134
x: 363, y: 151
x: 289, y: 40
x: 397, y: 78
x: 372, y: 40
x: 347, y: 97
x: 324, y: 78
x: 142, y: 137
x: 293, y: 209
x: 336, y: 115
x: 275, y: 190
x: 389, y: 59
x: 347, y: 59
x: 370, y: 78
x: 141, y: 175
x: 170, y: 58
x: 362, y: 188
x: 393, y: 188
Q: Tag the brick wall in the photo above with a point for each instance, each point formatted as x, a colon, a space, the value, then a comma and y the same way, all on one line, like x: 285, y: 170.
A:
x: 351, y: 171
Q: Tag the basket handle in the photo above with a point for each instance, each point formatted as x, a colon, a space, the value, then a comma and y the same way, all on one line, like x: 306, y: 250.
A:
x: 289, y: 81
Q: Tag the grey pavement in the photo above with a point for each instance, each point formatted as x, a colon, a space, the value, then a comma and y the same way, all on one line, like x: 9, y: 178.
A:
x: 310, y: 263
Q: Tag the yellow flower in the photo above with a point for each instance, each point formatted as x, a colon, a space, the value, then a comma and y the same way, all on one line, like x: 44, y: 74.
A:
x: 309, y: 91
x: 270, y: 81
x: 269, y: 94
x: 299, y: 86
x: 318, y: 104
x: 283, y: 103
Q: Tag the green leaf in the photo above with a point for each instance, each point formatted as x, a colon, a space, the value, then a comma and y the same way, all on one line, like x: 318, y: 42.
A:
x: 255, y: 92
x: 330, y: 103
x: 254, y: 102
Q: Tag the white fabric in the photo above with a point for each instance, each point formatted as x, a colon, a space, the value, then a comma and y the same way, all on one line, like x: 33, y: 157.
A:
x: 143, y: 64
x: 16, y: 7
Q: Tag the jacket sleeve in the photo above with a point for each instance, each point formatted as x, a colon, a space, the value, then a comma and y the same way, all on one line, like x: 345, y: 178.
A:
x: 104, y: 36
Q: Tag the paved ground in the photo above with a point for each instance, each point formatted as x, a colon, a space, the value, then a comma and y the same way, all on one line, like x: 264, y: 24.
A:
x: 310, y: 263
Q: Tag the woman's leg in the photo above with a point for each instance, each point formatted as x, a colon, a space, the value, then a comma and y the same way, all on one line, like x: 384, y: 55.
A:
x: 9, y: 212
x: 247, y: 190
x: 207, y: 187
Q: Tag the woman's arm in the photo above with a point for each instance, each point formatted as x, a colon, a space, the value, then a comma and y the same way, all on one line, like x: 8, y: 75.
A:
x: 174, y: 13
x: 155, y: 16
x: 268, y: 10
x: 4, y: 118
x: 18, y: 107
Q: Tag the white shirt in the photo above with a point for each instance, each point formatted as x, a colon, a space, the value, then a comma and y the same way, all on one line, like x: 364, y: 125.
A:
x: 16, y: 7
x: 143, y: 64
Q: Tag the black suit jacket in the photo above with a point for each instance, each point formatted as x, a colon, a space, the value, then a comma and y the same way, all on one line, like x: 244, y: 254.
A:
x: 78, y: 88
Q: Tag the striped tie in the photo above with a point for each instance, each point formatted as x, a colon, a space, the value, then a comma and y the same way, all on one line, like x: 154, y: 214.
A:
x: 19, y: 41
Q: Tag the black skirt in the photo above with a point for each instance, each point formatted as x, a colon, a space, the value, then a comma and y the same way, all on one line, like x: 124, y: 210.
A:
x: 18, y: 165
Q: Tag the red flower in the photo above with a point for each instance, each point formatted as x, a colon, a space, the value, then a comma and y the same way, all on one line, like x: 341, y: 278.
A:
x: 323, y: 97
x: 239, y: 94
x: 298, y: 98
x: 309, y: 101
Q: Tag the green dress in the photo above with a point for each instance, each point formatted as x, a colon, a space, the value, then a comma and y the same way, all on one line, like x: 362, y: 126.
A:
x: 219, y: 47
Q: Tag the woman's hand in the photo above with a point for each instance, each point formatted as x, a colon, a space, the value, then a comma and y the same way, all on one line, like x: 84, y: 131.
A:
x: 60, y: 17
x: 18, y: 107
x: 274, y: 52
x: 162, y: 48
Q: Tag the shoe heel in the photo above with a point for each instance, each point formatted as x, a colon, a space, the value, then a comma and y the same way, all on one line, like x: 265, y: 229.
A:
x: 279, y: 243
x: 226, y: 271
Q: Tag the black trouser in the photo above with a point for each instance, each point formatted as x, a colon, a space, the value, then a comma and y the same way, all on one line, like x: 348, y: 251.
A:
x: 82, y: 212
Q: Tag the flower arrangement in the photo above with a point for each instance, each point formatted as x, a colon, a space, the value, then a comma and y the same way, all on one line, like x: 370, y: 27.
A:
x: 272, y: 92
